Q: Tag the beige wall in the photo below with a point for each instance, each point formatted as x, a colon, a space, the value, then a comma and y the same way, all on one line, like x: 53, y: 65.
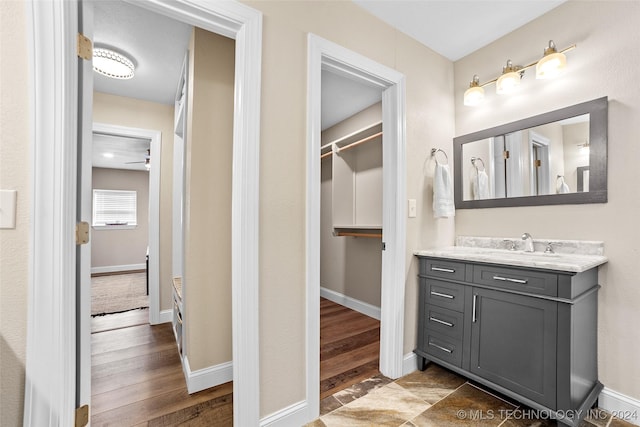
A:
x: 209, y: 149
x: 430, y: 112
x: 14, y: 175
x: 348, y: 265
x: 111, y: 248
x: 122, y: 111
x: 603, y: 64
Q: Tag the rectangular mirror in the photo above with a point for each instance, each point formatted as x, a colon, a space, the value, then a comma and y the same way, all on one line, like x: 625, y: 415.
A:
x: 558, y: 157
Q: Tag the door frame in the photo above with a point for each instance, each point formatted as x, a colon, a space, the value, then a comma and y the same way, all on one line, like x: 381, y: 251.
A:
x: 155, y: 138
x: 50, y: 387
x: 323, y: 54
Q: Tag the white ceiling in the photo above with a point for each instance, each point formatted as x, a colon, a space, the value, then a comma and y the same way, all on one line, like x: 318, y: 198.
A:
x: 455, y: 28
x: 118, y: 152
x: 157, y: 45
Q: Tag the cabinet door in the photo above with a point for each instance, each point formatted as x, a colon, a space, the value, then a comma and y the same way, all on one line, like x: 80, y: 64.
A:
x: 513, y: 343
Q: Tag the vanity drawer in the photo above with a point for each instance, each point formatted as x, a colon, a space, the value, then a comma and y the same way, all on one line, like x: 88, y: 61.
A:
x: 515, y: 279
x: 444, y: 348
x: 444, y: 294
x: 444, y: 321
x: 441, y: 268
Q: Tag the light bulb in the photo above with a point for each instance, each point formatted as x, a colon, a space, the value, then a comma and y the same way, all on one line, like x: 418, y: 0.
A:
x: 551, y: 64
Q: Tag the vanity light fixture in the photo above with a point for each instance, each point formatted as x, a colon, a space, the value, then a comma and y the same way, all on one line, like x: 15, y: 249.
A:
x: 552, y: 63
x: 475, y: 94
x: 510, y: 78
x: 112, y: 64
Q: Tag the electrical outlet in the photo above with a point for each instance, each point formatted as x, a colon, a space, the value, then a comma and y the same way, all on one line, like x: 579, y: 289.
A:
x: 412, y: 208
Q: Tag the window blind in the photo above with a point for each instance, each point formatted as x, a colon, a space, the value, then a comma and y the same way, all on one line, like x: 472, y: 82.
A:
x: 114, y: 207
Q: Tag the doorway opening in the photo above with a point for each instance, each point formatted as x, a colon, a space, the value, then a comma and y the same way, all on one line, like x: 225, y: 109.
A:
x: 350, y: 232
x: 327, y: 56
x: 58, y: 374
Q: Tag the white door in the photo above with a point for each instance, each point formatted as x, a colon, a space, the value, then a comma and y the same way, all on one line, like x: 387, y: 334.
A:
x: 83, y: 254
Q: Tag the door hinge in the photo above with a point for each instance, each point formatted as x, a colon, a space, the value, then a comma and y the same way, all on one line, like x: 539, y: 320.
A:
x: 538, y: 163
x: 85, y: 48
x: 82, y: 416
x: 505, y: 154
x: 82, y: 233
x: 384, y: 246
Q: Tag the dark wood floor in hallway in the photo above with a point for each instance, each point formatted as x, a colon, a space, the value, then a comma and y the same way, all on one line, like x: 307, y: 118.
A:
x: 349, y: 347
x: 137, y: 377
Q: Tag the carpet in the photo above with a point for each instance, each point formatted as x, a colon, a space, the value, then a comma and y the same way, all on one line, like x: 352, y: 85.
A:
x: 117, y: 293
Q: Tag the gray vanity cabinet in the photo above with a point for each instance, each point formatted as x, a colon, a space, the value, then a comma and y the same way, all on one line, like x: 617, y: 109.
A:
x: 513, y: 343
x: 527, y: 333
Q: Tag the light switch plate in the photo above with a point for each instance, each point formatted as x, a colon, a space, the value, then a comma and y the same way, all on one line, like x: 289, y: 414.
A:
x: 412, y: 208
x: 8, y: 208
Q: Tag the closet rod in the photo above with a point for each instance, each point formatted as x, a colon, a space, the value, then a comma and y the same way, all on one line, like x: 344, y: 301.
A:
x: 327, y: 154
x: 362, y: 141
x: 352, y: 234
x: 351, y: 135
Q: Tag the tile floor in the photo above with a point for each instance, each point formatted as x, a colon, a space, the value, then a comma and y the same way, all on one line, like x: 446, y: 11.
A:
x: 435, y: 397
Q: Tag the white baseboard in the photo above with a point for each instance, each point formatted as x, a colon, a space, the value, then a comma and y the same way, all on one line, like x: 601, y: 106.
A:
x: 409, y: 363
x: 166, y: 316
x: 623, y: 407
x: 207, y: 377
x: 293, y: 415
x: 117, y: 268
x: 352, y: 303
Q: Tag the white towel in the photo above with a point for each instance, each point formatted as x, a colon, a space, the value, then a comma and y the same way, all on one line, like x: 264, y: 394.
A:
x: 564, y: 188
x: 481, y: 186
x: 443, y: 205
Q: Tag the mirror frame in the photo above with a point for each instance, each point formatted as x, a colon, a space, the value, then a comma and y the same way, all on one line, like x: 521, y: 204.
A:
x: 598, y: 124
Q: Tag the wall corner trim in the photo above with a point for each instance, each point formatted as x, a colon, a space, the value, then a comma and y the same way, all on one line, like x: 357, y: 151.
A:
x: 166, y: 316
x: 206, y: 377
x: 352, y: 303
x: 621, y: 406
x: 296, y: 414
x: 409, y: 363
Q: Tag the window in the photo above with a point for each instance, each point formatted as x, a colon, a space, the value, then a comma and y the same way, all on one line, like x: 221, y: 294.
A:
x: 114, y: 208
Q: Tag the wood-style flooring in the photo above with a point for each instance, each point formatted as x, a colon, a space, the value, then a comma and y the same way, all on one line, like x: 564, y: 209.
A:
x: 349, y: 347
x: 137, y: 377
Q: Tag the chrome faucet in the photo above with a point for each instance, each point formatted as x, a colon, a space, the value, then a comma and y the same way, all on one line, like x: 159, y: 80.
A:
x: 528, y: 242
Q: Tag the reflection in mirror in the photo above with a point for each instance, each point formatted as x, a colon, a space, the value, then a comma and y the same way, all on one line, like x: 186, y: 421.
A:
x: 557, y: 157
x: 547, y: 159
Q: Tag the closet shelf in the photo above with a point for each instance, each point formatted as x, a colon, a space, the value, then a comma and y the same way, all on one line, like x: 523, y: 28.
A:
x: 372, y: 231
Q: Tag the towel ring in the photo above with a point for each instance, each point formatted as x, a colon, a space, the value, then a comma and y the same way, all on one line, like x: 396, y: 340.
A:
x: 435, y: 151
x: 476, y: 159
x: 561, y: 177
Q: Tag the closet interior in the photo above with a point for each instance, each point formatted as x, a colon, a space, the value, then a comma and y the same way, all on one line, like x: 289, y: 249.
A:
x: 351, y: 248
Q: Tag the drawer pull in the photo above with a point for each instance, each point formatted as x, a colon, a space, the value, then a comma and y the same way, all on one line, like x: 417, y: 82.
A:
x: 509, y: 279
x: 440, y: 347
x: 473, y: 315
x: 444, y: 270
x: 438, y: 294
x: 442, y: 322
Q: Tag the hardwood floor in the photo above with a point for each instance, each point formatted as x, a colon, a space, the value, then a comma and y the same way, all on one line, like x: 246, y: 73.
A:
x: 349, y: 347
x: 137, y: 377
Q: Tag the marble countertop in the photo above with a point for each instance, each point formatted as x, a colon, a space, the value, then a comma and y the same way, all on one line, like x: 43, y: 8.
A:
x: 577, y: 257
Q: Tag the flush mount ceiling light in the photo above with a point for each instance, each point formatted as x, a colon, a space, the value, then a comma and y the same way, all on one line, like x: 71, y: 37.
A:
x: 112, y: 64
x: 550, y: 65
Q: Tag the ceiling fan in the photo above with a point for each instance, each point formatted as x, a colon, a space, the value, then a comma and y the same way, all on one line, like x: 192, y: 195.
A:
x: 146, y: 161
